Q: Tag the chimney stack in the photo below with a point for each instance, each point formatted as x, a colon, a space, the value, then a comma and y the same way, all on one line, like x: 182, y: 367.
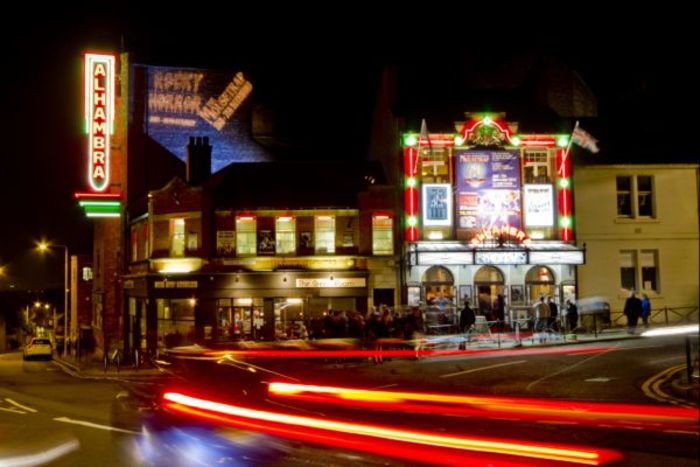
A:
x: 198, y: 160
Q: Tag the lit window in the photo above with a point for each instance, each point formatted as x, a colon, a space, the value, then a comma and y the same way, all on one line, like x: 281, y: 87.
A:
x: 285, y: 235
x: 628, y: 270
x: 134, y: 245
x: 536, y: 167
x: 382, y: 235
x: 177, y: 245
x: 246, y: 242
x: 635, y: 196
x: 87, y: 273
x: 325, y: 234
x: 145, y: 241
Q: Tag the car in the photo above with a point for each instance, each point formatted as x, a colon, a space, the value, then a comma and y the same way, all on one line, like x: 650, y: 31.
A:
x: 38, y: 347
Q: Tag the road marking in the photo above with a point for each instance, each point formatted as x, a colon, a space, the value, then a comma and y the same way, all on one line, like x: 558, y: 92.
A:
x: 599, y: 379
x: 23, y: 407
x: 531, y: 385
x: 449, y: 375
x: 94, y: 425
x: 652, y: 386
x: 386, y: 386
x: 677, y: 357
x: 13, y: 410
x: 44, y: 457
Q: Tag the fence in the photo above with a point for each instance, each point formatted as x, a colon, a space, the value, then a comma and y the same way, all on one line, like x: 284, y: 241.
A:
x: 666, y: 316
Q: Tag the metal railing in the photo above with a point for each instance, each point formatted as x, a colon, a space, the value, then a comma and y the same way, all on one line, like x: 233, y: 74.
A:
x: 666, y: 316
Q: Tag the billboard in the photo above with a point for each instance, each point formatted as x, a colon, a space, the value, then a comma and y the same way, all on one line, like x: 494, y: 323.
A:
x: 437, y: 204
x: 538, y: 204
x: 184, y: 102
x: 488, y: 189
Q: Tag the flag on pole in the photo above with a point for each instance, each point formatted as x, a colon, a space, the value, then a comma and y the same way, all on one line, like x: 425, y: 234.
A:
x: 424, y: 135
x: 584, y: 139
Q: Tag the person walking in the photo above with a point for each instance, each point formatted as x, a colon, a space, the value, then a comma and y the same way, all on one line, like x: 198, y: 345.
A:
x: 646, y: 310
x: 571, y: 315
x: 632, y: 310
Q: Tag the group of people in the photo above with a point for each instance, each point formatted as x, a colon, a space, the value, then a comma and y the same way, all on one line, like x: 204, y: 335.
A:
x: 546, y: 313
x: 636, y: 308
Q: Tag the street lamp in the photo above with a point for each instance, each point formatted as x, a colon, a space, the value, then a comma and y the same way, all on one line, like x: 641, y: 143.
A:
x: 43, y: 247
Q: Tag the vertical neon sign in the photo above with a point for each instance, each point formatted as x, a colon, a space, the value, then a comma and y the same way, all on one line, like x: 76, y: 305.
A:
x: 99, y: 117
x: 564, y: 195
x: 410, y: 163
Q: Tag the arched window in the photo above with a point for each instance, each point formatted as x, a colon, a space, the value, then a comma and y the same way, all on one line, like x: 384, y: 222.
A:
x: 488, y: 284
x: 438, y: 274
x: 539, y: 281
x: 489, y: 275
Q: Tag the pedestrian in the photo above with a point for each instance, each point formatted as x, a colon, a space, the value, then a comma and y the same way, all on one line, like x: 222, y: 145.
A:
x: 633, y: 310
x: 499, y: 310
x: 571, y: 315
x: 541, y: 311
x: 553, y: 313
x: 646, y: 310
x: 466, y: 317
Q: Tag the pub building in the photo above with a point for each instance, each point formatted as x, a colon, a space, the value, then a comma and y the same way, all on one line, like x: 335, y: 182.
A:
x: 257, y: 249
x: 488, y: 212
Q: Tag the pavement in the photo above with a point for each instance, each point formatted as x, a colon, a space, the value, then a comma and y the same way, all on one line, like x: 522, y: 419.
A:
x: 678, y: 384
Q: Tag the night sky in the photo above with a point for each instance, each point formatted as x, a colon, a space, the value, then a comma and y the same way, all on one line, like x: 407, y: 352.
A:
x: 320, y: 70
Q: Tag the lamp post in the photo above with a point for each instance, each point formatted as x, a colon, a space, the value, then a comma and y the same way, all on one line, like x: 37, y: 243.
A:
x: 44, y: 246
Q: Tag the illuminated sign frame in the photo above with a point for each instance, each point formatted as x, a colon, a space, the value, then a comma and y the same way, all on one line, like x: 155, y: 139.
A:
x: 99, y: 117
x: 543, y: 216
x: 440, y: 195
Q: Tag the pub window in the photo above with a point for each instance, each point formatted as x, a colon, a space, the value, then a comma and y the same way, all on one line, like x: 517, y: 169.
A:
x: 324, y: 227
x: 536, y: 167
x: 246, y: 241
x: 285, y: 235
x: 177, y: 237
x: 628, y: 270
x: 382, y: 235
x: 134, y: 245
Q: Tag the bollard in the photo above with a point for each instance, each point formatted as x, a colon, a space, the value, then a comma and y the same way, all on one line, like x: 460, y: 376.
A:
x: 595, y: 326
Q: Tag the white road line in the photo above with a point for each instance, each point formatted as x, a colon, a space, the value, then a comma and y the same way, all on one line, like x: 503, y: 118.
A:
x: 41, y: 458
x: 13, y: 410
x: 449, y: 375
x: 94, y: 425
x: 386, y: 386
x: 23, y: 407
x: 677, y: 357
x: 682, y: 432
x: 531, y: 385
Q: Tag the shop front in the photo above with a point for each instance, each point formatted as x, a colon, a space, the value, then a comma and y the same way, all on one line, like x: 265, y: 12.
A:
x: 168, y: 311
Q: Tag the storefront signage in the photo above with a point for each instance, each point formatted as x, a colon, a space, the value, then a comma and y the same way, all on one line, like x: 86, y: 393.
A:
x: 99, y: 117
x: 556, y: 257
x: 538, y: 204
x: 175, y: 284
x: 500, y: 257
x: 437, y: 204
x: 341, y: 282
x: 432, y: 258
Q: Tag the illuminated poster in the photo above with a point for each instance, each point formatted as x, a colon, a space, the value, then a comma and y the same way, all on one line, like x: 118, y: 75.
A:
x: 488, y: 189
x: 437, y: 204
x: 184, y: 102
x: 538, y: 204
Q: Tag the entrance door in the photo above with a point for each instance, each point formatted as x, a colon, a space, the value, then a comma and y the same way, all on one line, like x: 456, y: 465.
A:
x: 489, y: 284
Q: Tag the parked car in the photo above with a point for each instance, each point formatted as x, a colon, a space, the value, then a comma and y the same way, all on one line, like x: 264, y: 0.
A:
x: 38, y: 347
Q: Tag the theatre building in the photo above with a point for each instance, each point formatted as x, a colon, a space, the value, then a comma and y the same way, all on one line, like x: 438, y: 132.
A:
x: 488, y: 212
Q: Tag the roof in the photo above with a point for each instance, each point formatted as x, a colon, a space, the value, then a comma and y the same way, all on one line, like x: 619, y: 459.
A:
x: 293, y: 185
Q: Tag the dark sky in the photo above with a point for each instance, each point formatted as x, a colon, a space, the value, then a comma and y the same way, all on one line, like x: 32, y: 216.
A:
x: 318, y: 67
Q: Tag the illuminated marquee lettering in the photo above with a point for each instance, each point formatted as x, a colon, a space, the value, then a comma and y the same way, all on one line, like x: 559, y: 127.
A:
x: 496, y: 233
x: 99, y: 117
